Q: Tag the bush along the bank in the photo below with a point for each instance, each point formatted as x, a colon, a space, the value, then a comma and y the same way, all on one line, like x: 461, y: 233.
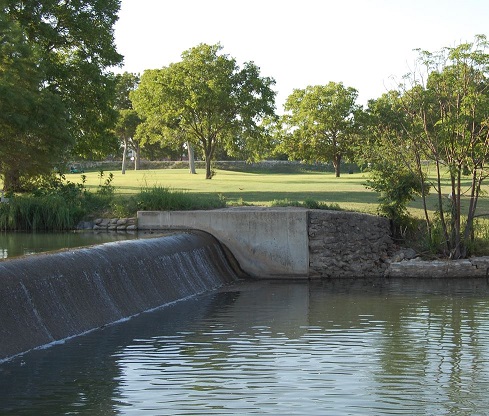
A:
x: 308, y: 203
x: 56, y: 204
x: 53, y: 204
x: 160, y: 198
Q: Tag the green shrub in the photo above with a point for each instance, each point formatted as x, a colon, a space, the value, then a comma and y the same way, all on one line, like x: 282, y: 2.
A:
x: 164, y: 199
x: 28, y: 212
x: 54, y: 204
x: 308, y: 203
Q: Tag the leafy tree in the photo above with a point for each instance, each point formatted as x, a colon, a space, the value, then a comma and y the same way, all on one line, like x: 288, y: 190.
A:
x: 394, y: 164
x: 56, y: 92
x: 319, y: 123
x: 452, y: 111
x: 437, y: 126
x: 24, y: 109
x: 207, y: 100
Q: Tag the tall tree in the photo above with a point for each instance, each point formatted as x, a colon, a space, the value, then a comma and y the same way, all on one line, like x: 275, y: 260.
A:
x: 56, y: 90
x: 437, y: 127
x: 207, y: 100
x: 451, y: 109
x: 128, y: 120
x: 26, y: 112
x: 319, y: 123
x: 395, y: 165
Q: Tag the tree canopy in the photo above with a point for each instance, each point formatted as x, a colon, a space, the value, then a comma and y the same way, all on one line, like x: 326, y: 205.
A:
x: 56, y: 92
x: 439, y: 126
x: 206, y: 99
x: 318, y: 125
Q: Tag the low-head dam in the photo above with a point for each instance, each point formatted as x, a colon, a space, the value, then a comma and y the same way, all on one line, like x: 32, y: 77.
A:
x: 290, y: 242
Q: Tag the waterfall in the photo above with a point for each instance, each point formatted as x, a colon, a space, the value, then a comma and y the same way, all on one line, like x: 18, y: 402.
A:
x: 50, y: 297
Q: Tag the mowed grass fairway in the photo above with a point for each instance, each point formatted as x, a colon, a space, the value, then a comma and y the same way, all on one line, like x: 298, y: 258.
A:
x: 262, y: 189
x: 243, y: 188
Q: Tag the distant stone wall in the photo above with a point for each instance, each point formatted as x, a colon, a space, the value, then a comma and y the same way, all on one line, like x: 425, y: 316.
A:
x: 346, y: 244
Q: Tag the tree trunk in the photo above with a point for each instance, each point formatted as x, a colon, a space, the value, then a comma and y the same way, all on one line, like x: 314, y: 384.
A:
x: 474, y: 197
x: 191, y: 158
x: 124, y: 156
x: 337, y: 165
x: 444, y: 227
x: 208, y: 147
x: 137, y: 155
x: 11, y: 180
x: 208, y: 170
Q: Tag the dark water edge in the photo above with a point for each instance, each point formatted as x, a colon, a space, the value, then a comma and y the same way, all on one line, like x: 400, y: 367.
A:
x: 15, y: 244
x: 334, y: 347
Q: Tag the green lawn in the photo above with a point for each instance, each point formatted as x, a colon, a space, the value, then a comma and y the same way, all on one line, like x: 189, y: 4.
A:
x: 239, y: 188
x: 249, y: 188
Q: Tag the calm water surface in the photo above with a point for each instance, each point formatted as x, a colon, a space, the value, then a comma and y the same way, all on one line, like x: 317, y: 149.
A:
x: 418, y: 347
x: 15, y: 244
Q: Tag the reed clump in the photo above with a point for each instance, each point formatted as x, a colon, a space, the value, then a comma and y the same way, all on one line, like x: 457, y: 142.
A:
x: 159, y: 198
x: 57, y: 204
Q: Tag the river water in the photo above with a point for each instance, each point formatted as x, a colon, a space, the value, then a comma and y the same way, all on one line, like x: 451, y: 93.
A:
x: 15, y: 244
x: 390, y: 347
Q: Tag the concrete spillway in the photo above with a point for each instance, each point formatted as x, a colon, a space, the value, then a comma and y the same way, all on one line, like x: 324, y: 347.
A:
x: 50, y: 297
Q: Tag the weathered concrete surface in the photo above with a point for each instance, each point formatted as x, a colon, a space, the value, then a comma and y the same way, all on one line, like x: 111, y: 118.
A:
x: 472, y: 267
x: 267, y: 242
x: 314, y: 244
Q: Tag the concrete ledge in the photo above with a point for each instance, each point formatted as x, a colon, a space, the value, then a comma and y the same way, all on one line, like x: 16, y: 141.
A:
x: 267, y: 242
x: 472, y: 267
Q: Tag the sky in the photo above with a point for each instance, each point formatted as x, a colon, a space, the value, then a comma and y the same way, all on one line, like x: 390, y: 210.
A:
x: 365, y: 44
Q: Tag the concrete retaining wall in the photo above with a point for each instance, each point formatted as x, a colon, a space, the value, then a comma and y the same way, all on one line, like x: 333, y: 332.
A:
x: 289, y: 242
x: 302, y: 243
x: 472, y: 267
x: 266, y: 242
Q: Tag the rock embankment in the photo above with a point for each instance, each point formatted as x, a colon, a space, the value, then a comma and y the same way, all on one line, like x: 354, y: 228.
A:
x: 112, y: 224
x: 346, y: 244
x: 349, y: 245
x: 472, y: 267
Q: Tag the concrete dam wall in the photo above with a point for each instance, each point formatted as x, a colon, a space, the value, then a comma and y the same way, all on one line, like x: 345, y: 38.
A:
x: 50, y: 297
x: 290, y: 242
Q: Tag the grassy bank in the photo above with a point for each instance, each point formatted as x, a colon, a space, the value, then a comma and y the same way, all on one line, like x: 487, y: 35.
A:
x: 112, y: 194
x: 244, y: 188
x: 263, y: 189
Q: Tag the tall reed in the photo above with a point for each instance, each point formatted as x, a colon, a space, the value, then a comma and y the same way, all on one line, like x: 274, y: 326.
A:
x: 27, y: 212
x: 161, y: 198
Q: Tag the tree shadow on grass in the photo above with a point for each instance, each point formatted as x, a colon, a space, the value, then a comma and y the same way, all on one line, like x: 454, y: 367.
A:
x: 365, y: 197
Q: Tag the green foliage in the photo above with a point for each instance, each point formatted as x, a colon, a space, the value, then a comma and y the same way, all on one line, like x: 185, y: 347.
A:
x: 448, y: 126
x: 53, y: 205
x: 56, y: 93
x: 161, y: 198
x: 307, y: 203
x: 206, y: 99
x: 106, y: 188
x: 319, y: 124
x: 397, y: 187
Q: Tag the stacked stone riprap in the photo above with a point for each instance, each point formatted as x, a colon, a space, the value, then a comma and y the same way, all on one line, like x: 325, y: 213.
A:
x: 472, y: 267
x: 345, y: 244
x: 115, y: 224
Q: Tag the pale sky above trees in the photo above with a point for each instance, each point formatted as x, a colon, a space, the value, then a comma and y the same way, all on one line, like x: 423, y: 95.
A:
x: 361, y: 43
